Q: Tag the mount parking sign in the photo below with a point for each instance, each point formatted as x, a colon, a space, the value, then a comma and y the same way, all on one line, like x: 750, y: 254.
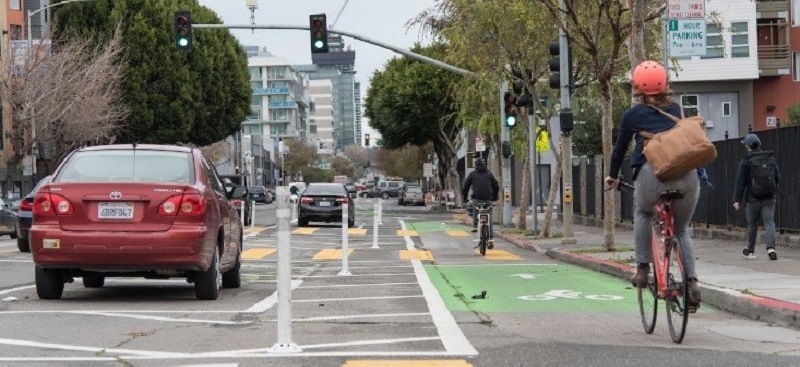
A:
x: 687, y: 37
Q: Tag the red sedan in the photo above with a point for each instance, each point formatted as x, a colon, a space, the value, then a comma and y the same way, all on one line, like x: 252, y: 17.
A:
x: 152, y: 211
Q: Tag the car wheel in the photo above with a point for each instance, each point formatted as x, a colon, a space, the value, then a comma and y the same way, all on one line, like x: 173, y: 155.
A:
x: 351, y: 222
x: 13, y: 235
x: 233, y: 278
x: 94, y: 281
x: 385, y: 195
x: 206, y: 285
x: 49, y: 284
x: 363, y: 195
x: 23, y: 245
x: 302, y: 222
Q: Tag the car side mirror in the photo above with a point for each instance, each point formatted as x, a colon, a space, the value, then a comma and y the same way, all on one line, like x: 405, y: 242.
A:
x: 352, y: 195
x: 238, y: 192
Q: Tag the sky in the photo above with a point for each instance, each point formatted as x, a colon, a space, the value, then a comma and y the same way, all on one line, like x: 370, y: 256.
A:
x: 381, y: 20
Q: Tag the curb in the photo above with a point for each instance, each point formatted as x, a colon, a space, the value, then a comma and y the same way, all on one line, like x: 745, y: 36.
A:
x: 755, y: 307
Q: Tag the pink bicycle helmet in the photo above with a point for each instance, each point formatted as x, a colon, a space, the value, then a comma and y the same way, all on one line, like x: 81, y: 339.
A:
x: 649, y: 78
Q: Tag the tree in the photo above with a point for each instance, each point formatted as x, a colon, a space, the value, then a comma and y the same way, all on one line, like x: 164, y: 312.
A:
x: 358, y: 155
x: 341, y: 165
x: 301, y: 157
x: 198, y: 97
x: 405, y: 162
x: 219, y: 153
x: 410, y: 102
x: 67, y: 94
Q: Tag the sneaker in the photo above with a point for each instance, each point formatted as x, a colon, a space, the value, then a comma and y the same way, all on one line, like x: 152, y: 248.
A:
x: 640, y: 279
x: 474, y: 229
x: 694, y: 295
x: 490, y: 244
x: 772, y: 254
x: 748, y: 255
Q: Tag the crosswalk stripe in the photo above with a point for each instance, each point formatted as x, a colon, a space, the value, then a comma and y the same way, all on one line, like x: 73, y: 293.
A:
x: 499, y: 255
x: 407, y: 363
x: 330, y: 254
x: 257, y: 253
x: 416, y: 255
x: 356, y: 231
x: 305, y: 231
x: 251, y: 230
x: 457, y: 233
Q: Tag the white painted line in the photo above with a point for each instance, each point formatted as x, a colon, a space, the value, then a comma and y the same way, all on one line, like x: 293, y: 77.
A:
x: 453, y: 338
x: 117, y: 311
x: 493, y: 264
x: 354, y: 285
x: 16, y: 261
x: 158, y: 318
x: 270, y: 301
x: 369, y: 342
x: 350, y: 317
x: 356, y: 298
x: 27, y: 343
x: 354, y: 275
x: 229, y: 355
x: 12, y: 290
x: 367, y: 267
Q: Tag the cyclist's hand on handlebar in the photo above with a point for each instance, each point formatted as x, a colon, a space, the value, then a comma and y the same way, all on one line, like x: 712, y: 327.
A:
x: 612, y: 182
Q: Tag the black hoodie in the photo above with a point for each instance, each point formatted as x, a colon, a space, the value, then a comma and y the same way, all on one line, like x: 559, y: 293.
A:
x: 484, y: 186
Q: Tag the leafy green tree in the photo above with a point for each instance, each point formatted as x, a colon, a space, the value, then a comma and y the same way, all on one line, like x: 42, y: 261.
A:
x: 342, y: 165
x: 197, y: 97
x: 405, y: 162
x: 301, y: 157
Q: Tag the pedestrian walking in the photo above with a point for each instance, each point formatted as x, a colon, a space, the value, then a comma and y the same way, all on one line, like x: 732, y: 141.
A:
x: 649, y: 81
x: 757, y: 182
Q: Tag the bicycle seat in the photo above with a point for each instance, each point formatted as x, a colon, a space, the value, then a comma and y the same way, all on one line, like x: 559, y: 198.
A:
x: 671, y: 195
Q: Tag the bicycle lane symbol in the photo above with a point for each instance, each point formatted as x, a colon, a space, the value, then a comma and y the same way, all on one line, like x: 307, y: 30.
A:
x: 568, y: 294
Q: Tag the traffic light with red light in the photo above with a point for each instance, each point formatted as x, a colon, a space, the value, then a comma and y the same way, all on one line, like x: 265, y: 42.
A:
x: 319, y: 33
x: 510, y: 110
x: 183, y: 30
x: 366, y: 140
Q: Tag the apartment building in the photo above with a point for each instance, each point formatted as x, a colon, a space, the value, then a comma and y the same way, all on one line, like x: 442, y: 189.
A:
x: 320, y: 119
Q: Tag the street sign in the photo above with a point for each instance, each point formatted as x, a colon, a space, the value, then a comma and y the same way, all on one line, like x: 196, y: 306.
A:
x: 480, y: 146
x: 684, y: 9
x: 27, y: 165
x: 427, y: 170
x: 542, y: 140
x: 687, y: 37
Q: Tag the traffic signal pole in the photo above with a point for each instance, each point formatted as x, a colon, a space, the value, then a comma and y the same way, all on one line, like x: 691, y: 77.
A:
x: 566, y: 137
x: 505, y: 135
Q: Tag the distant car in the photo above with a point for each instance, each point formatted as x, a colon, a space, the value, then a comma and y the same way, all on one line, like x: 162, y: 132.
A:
x: 322, y: 202
x: 413, y: 195
x: 231, y: 181
x: 387, y: 189
x: 258, y: 194
x: 25, y: 216
x: 8, y: 219
x: 401, y: 192
x: 152, y: 211
x: 351, y: 188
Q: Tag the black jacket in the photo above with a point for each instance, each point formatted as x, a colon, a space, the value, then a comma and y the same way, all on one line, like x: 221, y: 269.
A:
x: 743, y: 177
x: 484, y: 186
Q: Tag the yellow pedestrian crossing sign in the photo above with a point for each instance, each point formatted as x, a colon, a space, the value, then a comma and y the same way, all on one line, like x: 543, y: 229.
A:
x: 542, y: 140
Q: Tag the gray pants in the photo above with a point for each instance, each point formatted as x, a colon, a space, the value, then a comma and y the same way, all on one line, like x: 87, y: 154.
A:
x: 764, y: 209
x: 646, y: 196
x: 475, y: 215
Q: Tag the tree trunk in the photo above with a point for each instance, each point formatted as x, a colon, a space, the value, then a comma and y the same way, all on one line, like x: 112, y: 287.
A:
x: 522, y: 223
x: 606, y: 106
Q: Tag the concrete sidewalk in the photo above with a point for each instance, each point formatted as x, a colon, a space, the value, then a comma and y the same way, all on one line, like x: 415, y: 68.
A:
x: 759, y: 288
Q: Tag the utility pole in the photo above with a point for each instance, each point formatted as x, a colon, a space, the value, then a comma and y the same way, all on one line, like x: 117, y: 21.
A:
x: 505, y: 136
x: 566, y: 118
x: 532, y: 164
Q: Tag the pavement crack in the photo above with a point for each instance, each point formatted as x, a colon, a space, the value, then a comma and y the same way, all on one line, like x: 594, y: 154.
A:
x: 483, y: 318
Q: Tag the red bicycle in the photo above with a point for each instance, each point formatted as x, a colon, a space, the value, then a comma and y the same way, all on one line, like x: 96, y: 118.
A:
x: 668, y: 279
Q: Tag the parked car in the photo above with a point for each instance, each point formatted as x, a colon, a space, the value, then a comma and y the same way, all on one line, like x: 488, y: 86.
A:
x: 231, y: 181
x: 401, y: 192
x: 322, y: 202
x: 152, y: 211
x: 351, y: 188
x: 259, y: 194
x: 8, y: 221
x: 413, y: 195
x: 25, y: 216
x: 387, y: 189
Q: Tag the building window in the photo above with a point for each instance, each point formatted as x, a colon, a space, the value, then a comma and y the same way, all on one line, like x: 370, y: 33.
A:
x: 16, y: 32
x: 255, y: 73
x: 796, y: 12
x: 726, y: 109
x: 796, y: 59
x: 689, y: 104
x: 715, y: 49
x: 14, y: 5
x: 256, y: 100
x: 312, y: 129
x: 278, y: 115
x: 739, y: 43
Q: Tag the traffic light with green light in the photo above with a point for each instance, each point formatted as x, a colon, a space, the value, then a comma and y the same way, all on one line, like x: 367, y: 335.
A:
x: 319, y: 34
x: 510, y: 110
x: 183, y: 30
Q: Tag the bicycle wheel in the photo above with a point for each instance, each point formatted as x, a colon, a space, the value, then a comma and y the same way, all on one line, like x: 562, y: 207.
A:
x: 648, y: 302
x: 484, y: 239
x: 677, y: 294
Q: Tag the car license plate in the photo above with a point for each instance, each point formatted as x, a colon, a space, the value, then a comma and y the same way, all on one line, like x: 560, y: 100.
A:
x: 115, y: 211
x: 324, y: 203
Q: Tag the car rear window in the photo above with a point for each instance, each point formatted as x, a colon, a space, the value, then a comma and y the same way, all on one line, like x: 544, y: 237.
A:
x: 325, y: 190
x: 255, y: 190
x: 128, y: 165
x: 414, y: 189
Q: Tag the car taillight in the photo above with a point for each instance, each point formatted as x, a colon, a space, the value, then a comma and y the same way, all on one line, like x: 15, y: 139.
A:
x: 306, y: 200
x: 189, y: 204
x: 341, y: 200
x: 26, y: 206
x: 236, y: 202
x: 47, y: 203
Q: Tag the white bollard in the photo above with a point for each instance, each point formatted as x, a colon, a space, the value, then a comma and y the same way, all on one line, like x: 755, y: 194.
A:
x: 284, y: 344
x: 241, y: 211
x: 344, y: 270
x: 253, y: 215
x: 375, y: 226
x: 380, y: 211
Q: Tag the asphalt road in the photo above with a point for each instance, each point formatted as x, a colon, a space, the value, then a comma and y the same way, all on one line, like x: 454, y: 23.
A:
x: 415, y: 298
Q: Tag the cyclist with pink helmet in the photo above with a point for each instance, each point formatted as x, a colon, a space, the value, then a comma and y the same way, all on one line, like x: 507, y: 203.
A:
x: 649, y: 81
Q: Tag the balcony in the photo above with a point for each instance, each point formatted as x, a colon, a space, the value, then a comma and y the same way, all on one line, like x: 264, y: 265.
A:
x: 774, y: 60
x: 772, y: 9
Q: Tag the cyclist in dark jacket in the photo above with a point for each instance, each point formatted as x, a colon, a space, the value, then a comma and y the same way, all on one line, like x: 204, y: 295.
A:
x: 485, y: 190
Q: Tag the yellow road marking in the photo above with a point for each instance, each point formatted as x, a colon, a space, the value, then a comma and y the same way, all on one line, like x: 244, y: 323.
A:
x: 415, y: 255
x: 407, y: 363
x: 331, y: 254
x: 252, y: 230
x: 356, y: 231
x: 499, y: 255
x: 8, y: 250
x: 305, y: 231
x: 458, y: 233
x: 257, y: 253
x: 405, y: 232
x: 460, y: 216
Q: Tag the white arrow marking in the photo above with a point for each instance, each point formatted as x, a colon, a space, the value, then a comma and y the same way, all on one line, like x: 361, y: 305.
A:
x: 524, y: 276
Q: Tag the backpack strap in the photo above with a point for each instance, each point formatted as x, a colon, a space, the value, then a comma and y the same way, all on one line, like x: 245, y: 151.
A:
x: 649, y: 135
